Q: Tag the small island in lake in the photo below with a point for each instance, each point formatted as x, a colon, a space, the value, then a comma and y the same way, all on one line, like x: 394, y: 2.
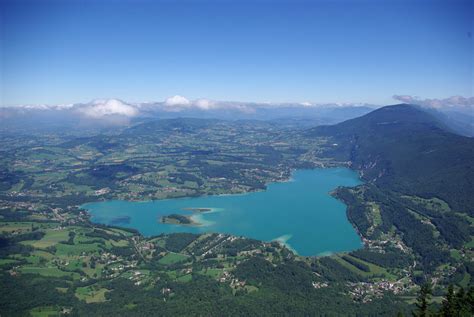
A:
x: 175, y: 219
x: 187, y: 220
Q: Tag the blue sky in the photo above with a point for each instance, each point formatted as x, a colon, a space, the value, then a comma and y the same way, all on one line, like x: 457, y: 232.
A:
x: 321, y: 51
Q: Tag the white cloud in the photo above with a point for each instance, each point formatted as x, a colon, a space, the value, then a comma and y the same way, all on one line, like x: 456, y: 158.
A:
x: 105, y: 107
x: 205, y: 104
x: 177, y: 100
x: 114, y: 109
x: 179, y: 103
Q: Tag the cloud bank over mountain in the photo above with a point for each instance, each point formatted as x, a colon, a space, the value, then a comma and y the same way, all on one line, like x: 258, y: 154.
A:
x: 454, y: 101
x: 119, y: 112
x: 174, y: 105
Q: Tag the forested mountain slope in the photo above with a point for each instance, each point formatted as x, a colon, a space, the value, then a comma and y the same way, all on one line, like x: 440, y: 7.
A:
x: 405, y: 149
x: 417, y: 198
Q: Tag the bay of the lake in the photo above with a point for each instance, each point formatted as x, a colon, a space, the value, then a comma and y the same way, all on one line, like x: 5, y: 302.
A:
x: 300, y: 213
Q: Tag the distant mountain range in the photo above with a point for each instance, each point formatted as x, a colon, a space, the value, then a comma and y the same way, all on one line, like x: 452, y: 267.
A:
x: 110, y: 113
x: 106, y: 113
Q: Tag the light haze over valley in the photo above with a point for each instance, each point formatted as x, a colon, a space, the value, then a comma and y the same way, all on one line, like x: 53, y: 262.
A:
x: 236, y: 158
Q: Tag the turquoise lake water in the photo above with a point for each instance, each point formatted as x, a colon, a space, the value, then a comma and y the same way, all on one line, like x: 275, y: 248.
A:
x: 299, y: 213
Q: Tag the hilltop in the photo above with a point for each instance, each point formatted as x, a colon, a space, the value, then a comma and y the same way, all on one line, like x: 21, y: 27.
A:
x: 419, y: 180
x: 403, y: 148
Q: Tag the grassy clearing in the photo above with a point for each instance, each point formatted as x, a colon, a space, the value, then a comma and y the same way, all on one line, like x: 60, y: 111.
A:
x: 375, y: 270
x: 455, y: 254
x: 121, y: 232
x: 375, y: 214
x: 51, y: 238
x: 435, y: 204
x: 7, y: 261
x: 45, y: 311
x: 142, y: 273
x: 91, y: 294
x: 214, y: 273
x: 77, y: 249
x: 172, y: 274
x: 48, y: 271
x: 185, y: 278
x: 470, y: 245
x: 62, y: 289
x: 9, y: 227
x: 172, y: 258
x: 251, y: 288
x: 161, y: 242
x: 130, y: 306
x: 43, y: 254
x: 119, y: 243
x: 465, y: 280
x: 96, y: 272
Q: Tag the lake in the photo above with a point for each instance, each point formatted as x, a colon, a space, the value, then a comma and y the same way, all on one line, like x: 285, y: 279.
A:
x: 299, y: 213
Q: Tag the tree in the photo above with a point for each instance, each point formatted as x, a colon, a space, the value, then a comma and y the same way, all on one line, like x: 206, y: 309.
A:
x: 460, y: 299
x: 470, y: 300
x: 465, y: 302
x: 450, y: 303
x: 422, y: 302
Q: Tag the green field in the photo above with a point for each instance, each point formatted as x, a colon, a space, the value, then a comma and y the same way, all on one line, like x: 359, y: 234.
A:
x: 46, y: 311
x: 185, y: 278
x: 51, y: 238
x: 375, y: 270
x: 48, y: 271
x: 172, y: 258
x: 91, y: 294
x: 214, y: 273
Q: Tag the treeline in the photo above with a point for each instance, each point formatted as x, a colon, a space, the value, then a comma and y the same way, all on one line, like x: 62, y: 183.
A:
x: 12, y: 215
x: 178, y: 241
x: 458, y: 303
x: 361, y: 266
x: 34, y: 235
x: 97, y: 233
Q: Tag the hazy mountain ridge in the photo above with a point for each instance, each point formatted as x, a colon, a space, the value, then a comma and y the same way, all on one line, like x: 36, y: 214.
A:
x: 103, y: 114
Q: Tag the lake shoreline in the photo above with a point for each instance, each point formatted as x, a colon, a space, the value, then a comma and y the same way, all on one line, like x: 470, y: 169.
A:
x: 313, y: 188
